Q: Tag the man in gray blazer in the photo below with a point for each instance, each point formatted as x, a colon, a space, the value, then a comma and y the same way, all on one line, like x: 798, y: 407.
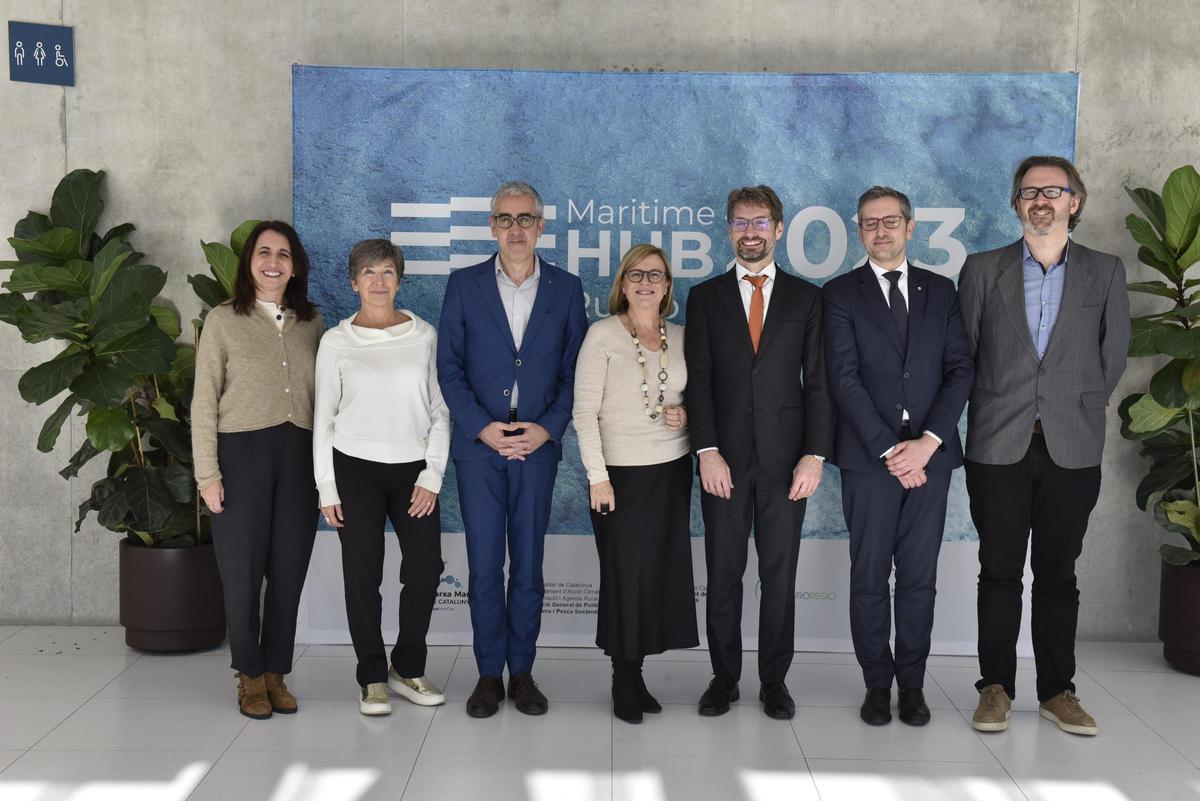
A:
x: 1048, y: 324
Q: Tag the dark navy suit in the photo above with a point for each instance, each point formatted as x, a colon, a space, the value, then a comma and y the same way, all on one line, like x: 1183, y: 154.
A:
x: 873, y: 377
x: 506, y: 504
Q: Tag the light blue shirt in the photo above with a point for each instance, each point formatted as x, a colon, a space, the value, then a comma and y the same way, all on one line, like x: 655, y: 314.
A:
x: 1043, y: 296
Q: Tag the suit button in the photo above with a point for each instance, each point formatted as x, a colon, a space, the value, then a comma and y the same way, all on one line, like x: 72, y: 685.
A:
x: 757, y: 370
x: 906, y: 375
x: 899, y: 406
x: 507, y: 392
x: 517, y: 362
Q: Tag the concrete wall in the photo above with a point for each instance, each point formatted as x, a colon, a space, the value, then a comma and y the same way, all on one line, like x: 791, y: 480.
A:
x: 187, y: 106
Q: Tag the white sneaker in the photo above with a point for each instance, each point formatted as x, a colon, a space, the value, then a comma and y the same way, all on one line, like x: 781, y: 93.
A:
x: 373, y: 699
x: 419, y: 690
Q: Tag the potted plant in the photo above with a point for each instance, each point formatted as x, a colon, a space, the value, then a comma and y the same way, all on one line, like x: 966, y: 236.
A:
x: 121, y: 368
x: 1166, y: 418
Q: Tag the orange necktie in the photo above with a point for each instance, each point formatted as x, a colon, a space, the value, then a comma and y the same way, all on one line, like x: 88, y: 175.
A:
x: 756, y: 308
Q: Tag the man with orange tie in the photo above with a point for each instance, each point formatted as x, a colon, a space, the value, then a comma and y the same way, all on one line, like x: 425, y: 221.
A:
x: 761, y: 421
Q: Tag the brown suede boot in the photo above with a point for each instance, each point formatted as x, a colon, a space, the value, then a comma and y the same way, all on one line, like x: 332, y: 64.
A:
x: 252, y: 697
x: 282, y: 700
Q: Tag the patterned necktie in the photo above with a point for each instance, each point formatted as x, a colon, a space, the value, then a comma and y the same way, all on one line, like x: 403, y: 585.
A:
x: 756, y: 308
x: 899, y: 307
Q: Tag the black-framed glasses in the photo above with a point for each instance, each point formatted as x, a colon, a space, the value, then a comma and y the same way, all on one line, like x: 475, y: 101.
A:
x: 892, y: 221
x: 741, y: 224
x: 523, y: 220
x: 1049, y: 192
x: 653, y: 276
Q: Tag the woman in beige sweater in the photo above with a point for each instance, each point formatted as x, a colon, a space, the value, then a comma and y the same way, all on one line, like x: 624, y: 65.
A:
x: 252, y: 418
x: 633, y: 440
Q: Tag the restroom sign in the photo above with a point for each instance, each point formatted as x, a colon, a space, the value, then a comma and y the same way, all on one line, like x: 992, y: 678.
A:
x: 41, y: 53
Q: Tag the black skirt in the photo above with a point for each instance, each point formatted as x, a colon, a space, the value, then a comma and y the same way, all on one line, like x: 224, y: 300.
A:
x: 647, y: 601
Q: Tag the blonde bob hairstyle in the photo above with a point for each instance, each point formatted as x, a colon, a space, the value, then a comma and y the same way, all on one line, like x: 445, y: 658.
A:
x: 617, y: 302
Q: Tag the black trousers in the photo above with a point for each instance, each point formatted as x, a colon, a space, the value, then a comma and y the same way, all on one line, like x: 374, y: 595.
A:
x: 373, y: 493
x: 266, y: 531
x: 757, y: 500
x: 887, y: 524
x: 1008, y: 502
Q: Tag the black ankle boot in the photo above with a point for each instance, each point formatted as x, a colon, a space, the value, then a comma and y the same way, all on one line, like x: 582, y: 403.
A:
x: 625, y: 692
x: 647, y: 701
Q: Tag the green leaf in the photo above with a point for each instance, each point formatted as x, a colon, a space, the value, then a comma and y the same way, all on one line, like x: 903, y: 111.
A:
x: 1163, y: 478
x: 1180, y: 343
x: 223, y: 263
x: 40, y: 321
x: 1146, y: 336
x: 53, y: 425
x: 10, y: 304
x: 164, y: 408
x: 148, y: 498
x: 54, y: 247
x: 237, y: 240
x: 77, y: 203
x: 167, y: 319
x: 1159, y: 288
x: 105, y: 265
x: 125, y: 305
x: 178, y: 480
x: 1166, y: 386
x: 110, y: 502
x: 1174, y: 555
x: 1186, y: 515
x: 1148, y: 415
x: 1148, y: 257
x: 32, y: 226
x: 171, y: 436
x: 71, y: 277
x: 1189, y: 256
x: 1181, y: 202
x: 183, y: 368
x: 1143, y: 233
x: 209, y: 290
x: 147, y: 350
x: 1151, y: 205
x: 109, y: 429
x: 103, y: 384
x: 40, y: 384
x: 81, y: 457
x: 121, y: 232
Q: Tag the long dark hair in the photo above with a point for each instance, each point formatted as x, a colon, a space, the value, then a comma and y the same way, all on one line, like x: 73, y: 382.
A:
x: 295, y: 295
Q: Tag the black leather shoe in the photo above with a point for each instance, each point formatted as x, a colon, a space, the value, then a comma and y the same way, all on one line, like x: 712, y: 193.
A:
x: 913, y: 709
x: 647, y: 701
x: 524, y: 691
x: 717, y: 698
x: 777, y: 701
x: 486, y: 697
x: 876, y: 709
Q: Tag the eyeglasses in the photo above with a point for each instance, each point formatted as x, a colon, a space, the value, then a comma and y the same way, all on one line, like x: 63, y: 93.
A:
x: 741, y: 225
x: 1049, y: 192
x: 523, y: 220
x: 653, y: 276
x: 890, y: 222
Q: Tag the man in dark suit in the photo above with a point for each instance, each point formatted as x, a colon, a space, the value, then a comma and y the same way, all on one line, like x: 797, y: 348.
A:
x: 1048, y: 323
x: 509, y: 334
x: 762, y: 425
x: 900, y: 373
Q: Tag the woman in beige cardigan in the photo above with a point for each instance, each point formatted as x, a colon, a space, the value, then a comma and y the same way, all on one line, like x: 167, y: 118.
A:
x: 633, y: 440
x: 252, y: 418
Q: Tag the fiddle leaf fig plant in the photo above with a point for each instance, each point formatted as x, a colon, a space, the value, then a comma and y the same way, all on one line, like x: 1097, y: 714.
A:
x: 1165, y: 418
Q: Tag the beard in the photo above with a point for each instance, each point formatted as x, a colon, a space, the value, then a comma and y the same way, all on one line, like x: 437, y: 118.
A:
x: 752, y: 253
x: 1042, y: 220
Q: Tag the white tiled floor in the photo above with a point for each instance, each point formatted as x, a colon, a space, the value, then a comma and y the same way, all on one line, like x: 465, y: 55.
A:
x: 82, y: 716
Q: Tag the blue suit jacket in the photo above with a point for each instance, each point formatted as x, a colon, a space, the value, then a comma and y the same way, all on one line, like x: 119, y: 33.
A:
x: 478, y: 362
x: 872, y: 380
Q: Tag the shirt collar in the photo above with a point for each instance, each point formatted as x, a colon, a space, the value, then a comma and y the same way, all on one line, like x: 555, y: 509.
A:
x: 768, y: 271
x: 880, y: 272
x: 1028, y: 259
x: 530, y: 281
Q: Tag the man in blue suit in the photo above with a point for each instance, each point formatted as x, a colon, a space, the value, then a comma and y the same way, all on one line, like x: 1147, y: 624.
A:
x: 900, y: 371
x: 510, y: 331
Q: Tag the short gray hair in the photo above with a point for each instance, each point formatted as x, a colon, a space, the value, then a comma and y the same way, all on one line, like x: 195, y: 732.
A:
x: 878, y: 192
x: 519, y: 189
x: 373, y: 251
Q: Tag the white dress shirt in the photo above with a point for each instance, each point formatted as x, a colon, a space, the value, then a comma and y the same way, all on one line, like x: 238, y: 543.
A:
x: 747, y: 289
x: 518, y: 306
x: 885, y: 286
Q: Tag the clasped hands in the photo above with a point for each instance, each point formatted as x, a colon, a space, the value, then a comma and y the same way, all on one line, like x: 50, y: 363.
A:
x: 514, y: 446
x: 908, y: 459
x: 716, y: 479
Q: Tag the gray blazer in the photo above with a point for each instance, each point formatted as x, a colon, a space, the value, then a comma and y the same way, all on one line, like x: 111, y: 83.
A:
x: 1070, y: 388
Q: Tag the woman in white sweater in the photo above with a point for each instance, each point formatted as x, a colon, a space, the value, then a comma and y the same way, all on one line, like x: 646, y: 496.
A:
x: 633, y: 440
x: 381, y: 435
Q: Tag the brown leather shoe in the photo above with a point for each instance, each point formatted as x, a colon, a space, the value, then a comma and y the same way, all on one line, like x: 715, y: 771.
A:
x: 994, y: 710
x: 252, y: 697
x: 282, y: 700
x: 525, y: 693
x: 1064, y: 710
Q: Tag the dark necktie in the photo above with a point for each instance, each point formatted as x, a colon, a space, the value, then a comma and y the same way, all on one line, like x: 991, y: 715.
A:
x: 899, y: 307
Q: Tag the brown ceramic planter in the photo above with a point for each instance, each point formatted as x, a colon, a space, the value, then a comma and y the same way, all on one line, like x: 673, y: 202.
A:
x: 171, y: 598
x: 1179, y: 616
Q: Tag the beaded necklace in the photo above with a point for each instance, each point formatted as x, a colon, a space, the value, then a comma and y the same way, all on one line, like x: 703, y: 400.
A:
x: 662, y: 368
